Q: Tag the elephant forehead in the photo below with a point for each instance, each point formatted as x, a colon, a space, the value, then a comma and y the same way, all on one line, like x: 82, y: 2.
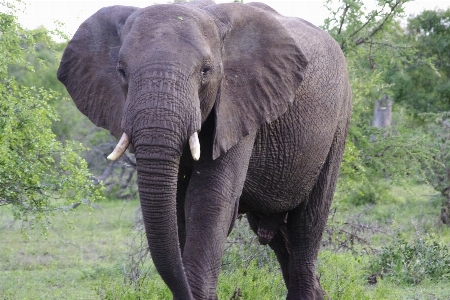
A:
x: 168, y: 28
x: 169, y: 18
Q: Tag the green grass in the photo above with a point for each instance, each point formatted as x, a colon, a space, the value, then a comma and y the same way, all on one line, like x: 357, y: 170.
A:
x: 411, y: 210
x: 79, y: 250
x: 344, y: 276
x: 84, y: 254
x: 410, y: 216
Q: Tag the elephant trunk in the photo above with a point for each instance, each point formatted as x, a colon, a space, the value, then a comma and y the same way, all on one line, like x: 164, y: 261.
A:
x: 157, y: 180
x: 161, y: 126
x: 162, y: 113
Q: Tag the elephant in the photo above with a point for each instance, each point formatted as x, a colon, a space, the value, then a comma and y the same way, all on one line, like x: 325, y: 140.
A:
x: 265, y: 98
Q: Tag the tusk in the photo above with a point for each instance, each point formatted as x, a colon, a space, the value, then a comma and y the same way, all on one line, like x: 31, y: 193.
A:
x: 194, y: 144
x: 122, y: 145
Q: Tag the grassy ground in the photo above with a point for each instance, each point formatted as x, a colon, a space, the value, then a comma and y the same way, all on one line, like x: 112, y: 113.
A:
x: 78, y: 252
x: 85, y: 253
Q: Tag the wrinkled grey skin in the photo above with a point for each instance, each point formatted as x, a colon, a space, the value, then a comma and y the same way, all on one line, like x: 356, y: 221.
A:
x: 271, y: 99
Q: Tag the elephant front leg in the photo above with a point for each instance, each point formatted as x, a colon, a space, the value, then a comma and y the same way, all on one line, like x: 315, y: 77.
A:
x: 214, y: 189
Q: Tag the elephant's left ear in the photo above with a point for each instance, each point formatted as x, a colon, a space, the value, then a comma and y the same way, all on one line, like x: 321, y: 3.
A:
x: 263, y: 67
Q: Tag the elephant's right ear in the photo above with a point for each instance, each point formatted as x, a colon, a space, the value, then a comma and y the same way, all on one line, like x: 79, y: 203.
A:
x: 88, y: 67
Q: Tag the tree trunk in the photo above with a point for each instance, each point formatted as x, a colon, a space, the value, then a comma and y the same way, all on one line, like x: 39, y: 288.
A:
x: 445, y: 210
x: 382, y: 115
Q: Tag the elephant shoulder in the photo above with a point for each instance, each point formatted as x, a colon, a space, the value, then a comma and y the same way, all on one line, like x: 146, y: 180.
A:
x: 314, y: 41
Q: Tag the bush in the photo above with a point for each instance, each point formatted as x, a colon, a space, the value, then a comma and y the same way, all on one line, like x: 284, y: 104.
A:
x: 370, y: 193
x: 36, y: 170
x: 344, y: 276
x: 148, y: 287
x: 413, y: 262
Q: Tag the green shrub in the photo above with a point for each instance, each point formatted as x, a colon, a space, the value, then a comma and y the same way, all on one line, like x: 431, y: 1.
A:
x: 370, y: 193
x: 413, y: 262
x: 344, y: 276
x: 147, y: 287
x: 36, y: 169
x: 252, y: 282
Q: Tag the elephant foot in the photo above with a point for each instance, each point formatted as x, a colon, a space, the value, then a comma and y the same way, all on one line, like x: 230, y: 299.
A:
x: 268, y: 227
x: 314, y: 292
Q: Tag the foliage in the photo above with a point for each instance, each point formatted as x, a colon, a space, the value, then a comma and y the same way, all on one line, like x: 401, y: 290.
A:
x: 152, y: 289
x: 43, y: 56
x: 247, y: 283
x: 412, y: 262
x: 423, y: 84
x: 35, y: 168
x: 431, y: 30
x: 424, y: 87
x: 344, y: 277
x: 438, y: 173
x: 238, y: 283
x: 374, y: 44
x: 352, y: 25
x: 382, y: 154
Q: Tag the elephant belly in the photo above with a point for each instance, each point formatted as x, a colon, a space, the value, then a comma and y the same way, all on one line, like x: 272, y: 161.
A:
x: 285, y: 165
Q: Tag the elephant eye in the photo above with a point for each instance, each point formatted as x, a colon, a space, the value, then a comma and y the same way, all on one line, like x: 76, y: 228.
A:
x: 121, y: 72
x: 206, y: 70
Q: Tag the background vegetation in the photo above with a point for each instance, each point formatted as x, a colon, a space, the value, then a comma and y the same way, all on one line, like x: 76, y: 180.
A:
x: 387, y: 236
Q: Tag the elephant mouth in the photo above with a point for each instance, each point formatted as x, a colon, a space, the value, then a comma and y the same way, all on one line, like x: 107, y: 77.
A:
x: 124, y: 142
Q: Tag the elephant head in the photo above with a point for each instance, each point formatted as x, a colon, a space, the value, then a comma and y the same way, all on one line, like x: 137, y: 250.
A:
x: 154, y: 75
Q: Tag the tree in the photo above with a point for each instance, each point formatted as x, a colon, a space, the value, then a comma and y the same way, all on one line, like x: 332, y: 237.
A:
x: 36, y: 170
x: 424, y: 84
x: 438, y: 172
x: 374, y: 44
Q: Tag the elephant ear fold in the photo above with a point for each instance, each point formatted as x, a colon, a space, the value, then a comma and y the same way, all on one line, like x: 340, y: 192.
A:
x: 88, y: 67
x: 263, y: 66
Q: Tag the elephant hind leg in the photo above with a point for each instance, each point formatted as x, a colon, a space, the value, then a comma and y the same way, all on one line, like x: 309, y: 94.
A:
x: 306, y: 224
